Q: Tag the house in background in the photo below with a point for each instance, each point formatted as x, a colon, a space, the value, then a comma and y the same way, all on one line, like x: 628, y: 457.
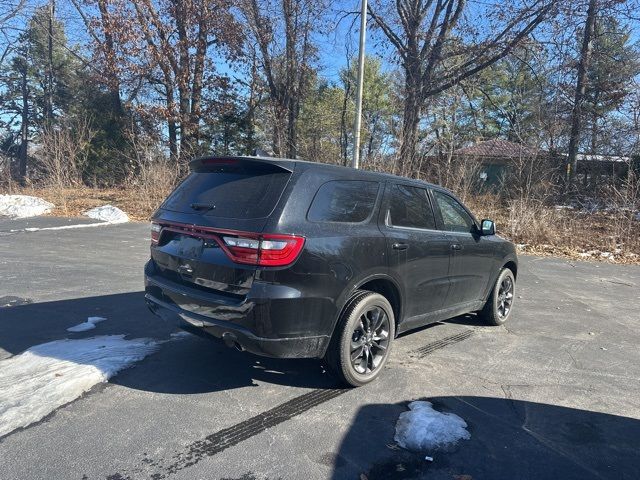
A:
x: 497, y: 158
x: 597, y: 169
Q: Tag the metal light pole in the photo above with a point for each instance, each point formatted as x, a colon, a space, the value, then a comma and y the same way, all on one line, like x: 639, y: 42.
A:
x: 355, y: 161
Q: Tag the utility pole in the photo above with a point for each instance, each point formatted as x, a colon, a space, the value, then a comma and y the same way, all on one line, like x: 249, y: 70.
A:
x: 355, y: 162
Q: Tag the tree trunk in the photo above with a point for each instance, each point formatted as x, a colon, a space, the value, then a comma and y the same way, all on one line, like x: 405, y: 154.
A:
x: 171, y: 125
x: 173, y: 140
x: 110, y: 59
x: 292, y: 124
x: 24, y: 130
x: 344, y: 138
x: 48, y: 92
x: 372, y: 133
x: 410, y: 122
x: 581, y: 86
x: 252, y: 104
x: 279, y: 129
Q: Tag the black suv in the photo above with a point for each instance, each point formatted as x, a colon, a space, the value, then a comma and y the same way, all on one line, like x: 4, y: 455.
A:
x: 287, y: 258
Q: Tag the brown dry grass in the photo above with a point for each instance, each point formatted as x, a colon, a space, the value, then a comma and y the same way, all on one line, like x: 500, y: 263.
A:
x: 72, y: 202
x: 545, y: 230
x: 536, y: 229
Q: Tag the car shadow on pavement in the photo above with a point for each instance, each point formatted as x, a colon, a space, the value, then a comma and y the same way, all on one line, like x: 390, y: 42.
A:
x: 469, y: 319
x: 182, y: 365
x: 510, y: 439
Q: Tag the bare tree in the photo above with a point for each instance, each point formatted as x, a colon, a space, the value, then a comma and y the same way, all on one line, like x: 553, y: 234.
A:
x: 105, y: 33
x: 170, y: 45
x: 63, y: 152
x: 9, y: 10
x: 286, y: 54
x: 178, y: 40
x: 434, y: 48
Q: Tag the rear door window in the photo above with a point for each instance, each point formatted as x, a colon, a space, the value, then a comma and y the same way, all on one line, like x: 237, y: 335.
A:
x: 410, y: 207
x: 230, y: 193
x: 349, y: 201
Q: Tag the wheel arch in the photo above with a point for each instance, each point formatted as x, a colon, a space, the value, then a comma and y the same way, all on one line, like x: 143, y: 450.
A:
x: 512, y: 265
x: 386, y: 287
x: 382, y: 284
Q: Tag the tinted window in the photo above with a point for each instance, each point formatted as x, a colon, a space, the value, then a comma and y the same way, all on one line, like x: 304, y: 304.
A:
x: 343, y: 201
x: 410, y: 207
x: 454, y: 216
x: 229, y: 193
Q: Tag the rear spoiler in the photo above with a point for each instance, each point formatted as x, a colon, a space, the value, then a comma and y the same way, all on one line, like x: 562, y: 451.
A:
x: 209, y: 164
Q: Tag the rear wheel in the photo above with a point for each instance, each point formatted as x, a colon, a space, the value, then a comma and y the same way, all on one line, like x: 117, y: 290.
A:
x: 362, y: 340
x: 497, y: 310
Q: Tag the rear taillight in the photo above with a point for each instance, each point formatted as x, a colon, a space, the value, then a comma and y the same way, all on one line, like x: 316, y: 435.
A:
x: 264, y: 250
x: 155, y: 233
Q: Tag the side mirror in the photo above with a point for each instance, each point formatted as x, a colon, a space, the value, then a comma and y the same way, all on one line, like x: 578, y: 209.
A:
x: 487, y: 227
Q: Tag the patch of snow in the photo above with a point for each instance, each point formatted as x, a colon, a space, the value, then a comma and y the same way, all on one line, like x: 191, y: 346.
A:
x: 44, y: 377
x: 62, y: 227
x: 423, y: 428
x: 563, y: 207
x: 88, y: 325
x: 107, y: 213
x: 180, y: 335
x: 23, y: 206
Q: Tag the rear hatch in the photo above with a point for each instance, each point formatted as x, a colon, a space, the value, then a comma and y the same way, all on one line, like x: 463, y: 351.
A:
x: 207, y: 234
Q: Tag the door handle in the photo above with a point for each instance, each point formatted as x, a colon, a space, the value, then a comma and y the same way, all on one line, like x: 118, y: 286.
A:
x: 399, y: 246
x: 456, y: 246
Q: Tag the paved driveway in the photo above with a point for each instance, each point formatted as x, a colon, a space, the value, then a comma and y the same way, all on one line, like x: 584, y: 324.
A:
x: 555, y: 394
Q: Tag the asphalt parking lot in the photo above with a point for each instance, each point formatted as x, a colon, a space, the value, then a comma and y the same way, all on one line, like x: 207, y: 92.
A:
x: 554, y: 394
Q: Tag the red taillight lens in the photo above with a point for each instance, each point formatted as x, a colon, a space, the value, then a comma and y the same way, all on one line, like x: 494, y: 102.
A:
x: 279, y: 250
x: 265, y: 250
x: 155, y: 233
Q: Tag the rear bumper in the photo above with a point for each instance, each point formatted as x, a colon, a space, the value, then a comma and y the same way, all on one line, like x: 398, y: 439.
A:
x: 233, y: 336
x: 262, y: 324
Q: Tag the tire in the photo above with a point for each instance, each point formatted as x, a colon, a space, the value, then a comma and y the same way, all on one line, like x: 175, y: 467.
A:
x: 499, y: 305
x: 366, y: 330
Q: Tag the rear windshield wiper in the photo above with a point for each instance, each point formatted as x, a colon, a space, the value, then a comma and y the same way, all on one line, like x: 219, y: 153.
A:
x: 203, y: 206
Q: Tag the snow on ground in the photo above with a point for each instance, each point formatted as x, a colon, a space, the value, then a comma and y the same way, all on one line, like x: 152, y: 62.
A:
x: 107, y: 213
x: 23, y: 206
x: 88, y: 325
x: 47, y: 376
x: 423, y: 428
x: 62, y: 227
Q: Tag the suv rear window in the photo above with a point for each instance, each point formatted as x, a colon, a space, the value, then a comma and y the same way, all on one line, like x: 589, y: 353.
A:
x: 230, y: 192
x: 344, y: 201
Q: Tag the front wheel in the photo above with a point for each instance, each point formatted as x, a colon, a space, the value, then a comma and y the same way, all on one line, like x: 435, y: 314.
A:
x: 498, y: 308
x: 362, y: 340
